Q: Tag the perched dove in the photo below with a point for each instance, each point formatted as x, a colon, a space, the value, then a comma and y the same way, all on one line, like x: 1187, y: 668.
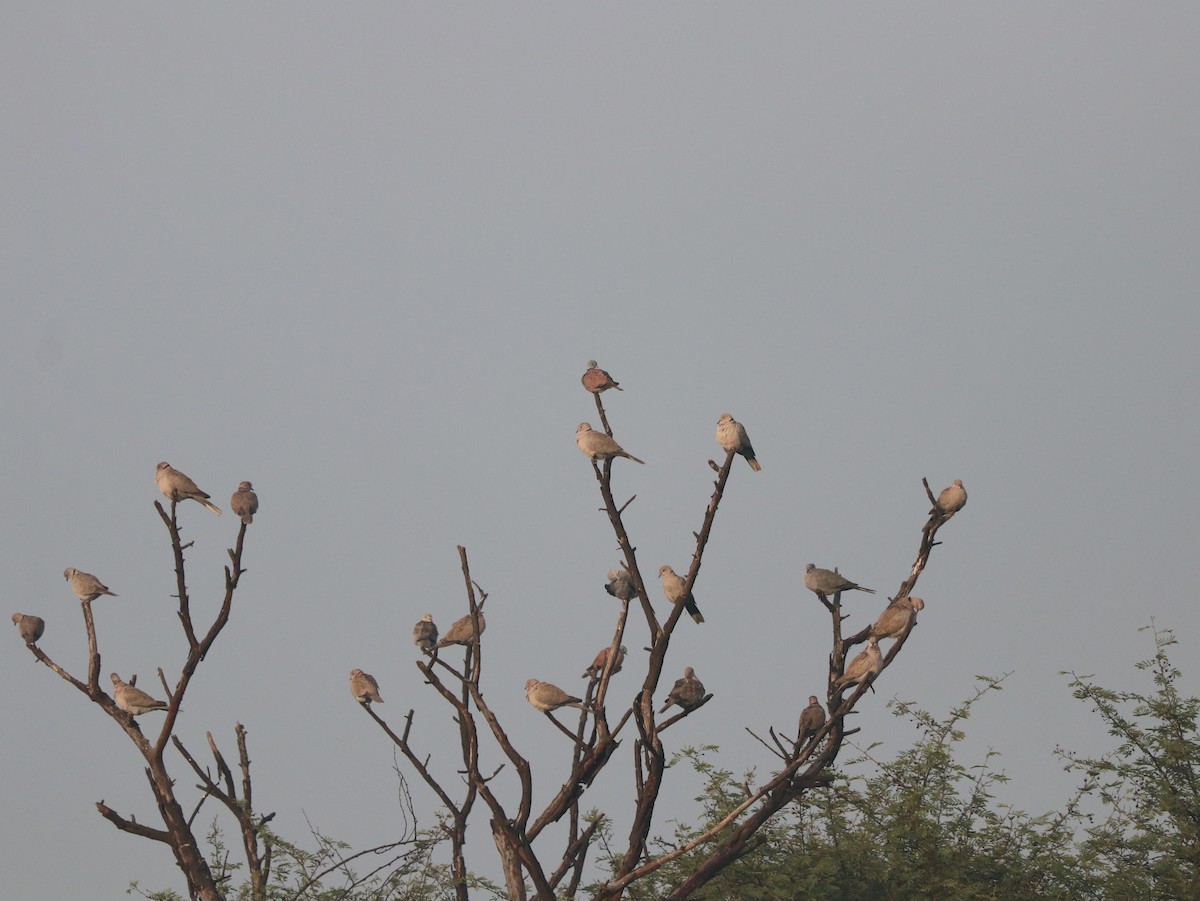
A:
x: 951, y: 500
x: 425, y: 633
x: 731, y: 435
x: 597, y: 667
x: 864, y: 665
x: 672, y: 585
x: 244, y: 502
x: 620, y: 585
x: 812, y: 718
x: 687, y: 692
x: 894, y: 621
x: 462, y: 631
x: 599, y: 446
x: 31, y: 627
x: 546, y: 697
x: 597, y: 380
x: 178, y: 487
x: 364, y: 687
x: 86, y: 586
x: 827, y: 582
x: 132, y: 700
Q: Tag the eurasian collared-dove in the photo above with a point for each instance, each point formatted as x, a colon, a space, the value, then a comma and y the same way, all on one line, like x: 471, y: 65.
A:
x: 425, y: 633
x: 894, y: 621
x: 687, y: 692
x: 951, y: 500
x: 596, y: 380
x: 31, y: 627
x: 598, y: 446
x: 546, y: 697
x: 132, y: 700
x: 462, y: 631
x: 176, y: 487
x: 86, y: 586
x: 672, y: 585
x: 731, y: 435
x: 620, y: 585
x: 864, y: 665
x: 812, y: 718
x: 244, y: 502
x: 364, y: 687
x: 597, y: 667
x: 827, y: 582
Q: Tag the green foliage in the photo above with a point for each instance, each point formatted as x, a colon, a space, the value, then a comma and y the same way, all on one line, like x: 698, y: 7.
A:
x: 1148, y: 845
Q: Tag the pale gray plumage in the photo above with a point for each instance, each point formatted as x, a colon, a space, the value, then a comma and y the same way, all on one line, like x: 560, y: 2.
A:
x: 731, y: 435
x: 546, y: 697
x: 951, y: 500
x: 894, y: 621
x: 176, y: 487
x: 594, y: 671
x: 687, y: 692
x: 29, y: 627
x: 462, y: 631
x: 620, y: 585
x: 863, y: 666
x: 827, y: 582
x: 812, y: 718
x: 425, y: 633
x: 597, y: 380
x: 86, y: 586
x: 598, y: 446
x: 673, y: 585
x: 244, y: 502
x: 364, y: 687
x: 132, y: 700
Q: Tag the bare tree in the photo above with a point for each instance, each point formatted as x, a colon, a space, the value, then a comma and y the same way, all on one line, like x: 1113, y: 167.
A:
x: 804, y: 762
x: 234, y: 794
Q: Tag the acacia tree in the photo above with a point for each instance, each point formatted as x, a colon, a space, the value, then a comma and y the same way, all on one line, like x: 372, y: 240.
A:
x: 1148, y: 845
x: 803, y: 762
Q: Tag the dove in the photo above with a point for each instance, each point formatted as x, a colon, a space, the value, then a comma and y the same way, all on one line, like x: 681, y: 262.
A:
x: 598, y: 446
x: 132, y: 700
x: 894, y: 621
x: 812, y: 718
x: 462, y: 631
x: 244, y: 502
x: 31, y: 627
x: 731, y: 435
x: 594, y: 671
x: 364, y: 688
x: 597, y: 380
x: 951, y: 500
x: 687, y: 692
x: 672, y: 586
x: 546, y: 697
x: 425, y: 633
x: 620, y: 585
x: 86, y: 586
x: 827, y: 582
x: 861, y: 667
x: 178, y: 487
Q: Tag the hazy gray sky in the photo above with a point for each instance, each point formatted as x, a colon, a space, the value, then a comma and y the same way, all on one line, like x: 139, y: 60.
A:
x: 359, y: 254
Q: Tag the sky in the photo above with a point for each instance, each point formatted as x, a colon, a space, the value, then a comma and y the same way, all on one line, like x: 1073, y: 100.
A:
x: 360, y: 254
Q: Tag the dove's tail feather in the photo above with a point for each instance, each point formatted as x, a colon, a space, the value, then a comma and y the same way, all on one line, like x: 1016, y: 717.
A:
x: 633, y: 458
x: 694, y: 611
x: 754, y: 464
x: 215, y: 509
